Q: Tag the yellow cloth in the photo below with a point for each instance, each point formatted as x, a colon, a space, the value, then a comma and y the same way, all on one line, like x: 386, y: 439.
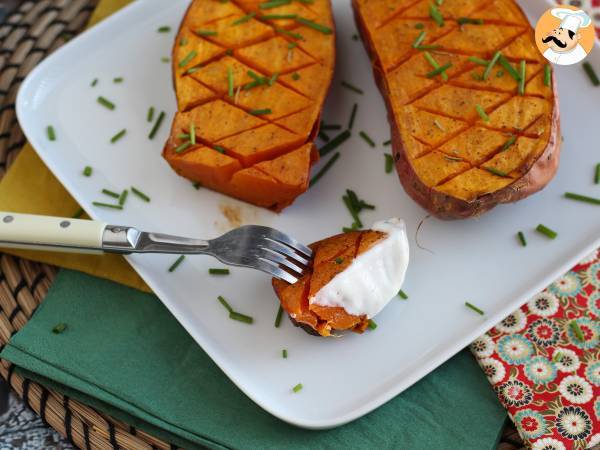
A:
x: 30, y: 187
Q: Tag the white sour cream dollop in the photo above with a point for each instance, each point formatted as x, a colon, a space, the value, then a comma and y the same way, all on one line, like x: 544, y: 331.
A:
x: 373, y: 278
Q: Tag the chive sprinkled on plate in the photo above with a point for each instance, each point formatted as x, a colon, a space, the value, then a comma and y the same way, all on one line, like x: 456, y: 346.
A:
x: 522, y: 239
x: 419, y: 39
x: 223, y: 302
x: 274, y: 4
x: 367, y: 138
x: 474, y: 308
x: 123, y: 197
x: 295, y: 76
x: 241, y: 317
x: 324, y: 169
x: 284, y: 353
x: 59, y: 328
x: 106, y: 103
x: 428, y: 47
x: 213, y: 271
x: 140, y: 194
x: 324, y: 136
x: 330, y: 126
x: 372, y: 325
x: 150, y: 114
x: 402, y: 295
x: 522, y: 76
x: 500, y: 73
x: 51, y: 133
x: 436, y: 15
x: 183, y: 147
x: 106, y: 205
x: 468, y: 20
x: 244, y: 19
x: 482, y: 113
x: 206, y: 33
x: 219, y: 149
x: 87, y: 171
x: 491, y: 65
x: 297, y: 388
x: 196, y: 185
x: 476, y: 60
x: 164, y: 29
x: 165, y: 59
x: 289, y: 33
x: 352, y: 87
x: 591, y: 73
x: 509, y: 68
x: 315, y: 26
x: 439, y: 71
x: 543, y: 229
x: 118, y: 136
x: 183, y: 42
x: 434, y: 64
x: 292, y: 45
x: 110, y: 193
x: 273, y: 79
x: 547, y: 75
x: 193, y: 133
x: 355, y: 37
x: 118, y: 80
x: 94, y: 82
x: 352, y: 210
x: 176, y: 264
x: 495, y: 171
x: 157, y: 125
x: 278, y: 16
x: 188, y: 58
x: 260, y: 112
x: 389, y: 162
x: 229, y: 81
x: 511, y: 140
x: 278, y: 316
x: 577, y: 330
x: 419, y: 25
x: 582, y: 198
x: 352, y: 116
x: 597, y: 174
x: 388, y: 142
x: 334, y: 143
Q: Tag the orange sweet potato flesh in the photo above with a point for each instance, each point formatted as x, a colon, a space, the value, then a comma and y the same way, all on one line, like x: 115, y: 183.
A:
x: 449, y: 159
x: 263, y: 159
x: 331, y: 256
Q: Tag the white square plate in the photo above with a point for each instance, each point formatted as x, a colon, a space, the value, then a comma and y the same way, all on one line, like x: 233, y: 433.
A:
x: 476, y: 260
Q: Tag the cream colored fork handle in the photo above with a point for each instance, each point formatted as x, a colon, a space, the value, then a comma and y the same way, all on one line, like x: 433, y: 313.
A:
x: 27, y: 231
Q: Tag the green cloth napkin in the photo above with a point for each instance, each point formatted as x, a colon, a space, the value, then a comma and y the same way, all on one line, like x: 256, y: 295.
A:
x: 123, y: 353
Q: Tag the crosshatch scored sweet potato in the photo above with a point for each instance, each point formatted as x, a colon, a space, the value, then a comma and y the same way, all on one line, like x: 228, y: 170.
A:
x: 251, y: 78
x: 330, y: 257
x: 465, y: 138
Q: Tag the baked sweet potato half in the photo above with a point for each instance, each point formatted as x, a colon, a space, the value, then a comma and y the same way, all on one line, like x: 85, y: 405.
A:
x: 250, y: 78
x: 472, y: 104
x: 351, y: 278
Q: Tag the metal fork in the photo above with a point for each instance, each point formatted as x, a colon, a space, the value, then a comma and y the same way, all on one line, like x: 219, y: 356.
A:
x: 257, y: 247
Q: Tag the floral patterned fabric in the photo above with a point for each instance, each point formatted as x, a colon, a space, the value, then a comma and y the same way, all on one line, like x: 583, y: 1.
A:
x: 543, y: 361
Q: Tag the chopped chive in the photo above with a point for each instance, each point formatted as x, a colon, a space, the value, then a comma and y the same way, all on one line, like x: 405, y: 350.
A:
x: 289, y: 33
x: 110, y: 193
x: 273, y: 79
x: 389, y: 163
x: 297, y: 388
x: 476, y: 60
x: 157, y: 125
x: 260, y: 112
x: 582, y: 198
x: 334, y: 143
x: 165, y: 59
x: 468, y: 20
x: 164, y: 29
x: 150, y: 114
x: 577, y: 330
x: 522, y: 68
x: 274, y: 4
x: 324, y: 136
x: 59, y: 328
x: 87, y: 171
x: 372, y: 325
x: 106, y: 205
x: 188, y: 58
x: 510, y: 142
x: 491, y: 65
x: 324, y: 169
x: 118, y: 80
x: 482, y: 113
x: 367, y: 138
x: 284, y: 353
x: 192, y: 70
x: 94, y: 82
x: 439, y: 71
x: 176, y: 264
x: 244, y: 19
x: 355, y: 37
x: 589, y: 70
x: 78, y: 213
x: 183, y: 42
x: 597, y: 174
x: 388, y: 142
x: 224, y: 303
x: 439, y: 2
x: 495, y: 171
x: 183, y: 147
x: 438, y: 125
x: 352, y: 211
x: 547, y: 74
x: 420, y: 38
x: 241, y: 317
x: 315, y: 26
x: 196, y: 185
x: 476, y: 76
x: 218, y: 271
x: 51, y: 133
x: 339, y: 260
x: 118, y: 136
x: 193, y: 133
x: 206, y: 33
x: 184, y: 136
x: 402, y: 295
x: 434, y: 64
x: 474, y: 308
x: 295, y: 76
x: 229, y: 52
x: 292, y: 45
x: 219, y: 149
x: 123, y: 197
x: 352, y: 87
x: 106, y: 103
x: 509, y: 68
x: 546, y: 231
x: 352, y: 116
x: 452, y: 158
x: 278, y: 16
x: 419, y: 25
x: 350, y: 229
x: 140, y: 194
x: 436, y: 15
x: 330, y: 126
x: 428, y: 47
x: 278, y: 316
x: 229, y: 81
x: 522, y: 239
x: 500, y: 73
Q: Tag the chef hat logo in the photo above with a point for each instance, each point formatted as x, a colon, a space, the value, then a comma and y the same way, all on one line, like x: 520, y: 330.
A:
x: 572, y: 20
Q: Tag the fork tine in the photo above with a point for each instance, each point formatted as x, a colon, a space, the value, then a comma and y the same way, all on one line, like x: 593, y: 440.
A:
x: 275, y: 257
x: 282, y: 237
x: 274, y: 270
x: 277, y: 246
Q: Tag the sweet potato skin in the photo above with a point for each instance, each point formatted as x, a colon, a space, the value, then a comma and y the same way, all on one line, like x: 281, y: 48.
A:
x: 445, y: 206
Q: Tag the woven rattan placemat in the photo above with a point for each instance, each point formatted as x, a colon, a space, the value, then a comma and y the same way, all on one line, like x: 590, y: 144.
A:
x: 27, y: 35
